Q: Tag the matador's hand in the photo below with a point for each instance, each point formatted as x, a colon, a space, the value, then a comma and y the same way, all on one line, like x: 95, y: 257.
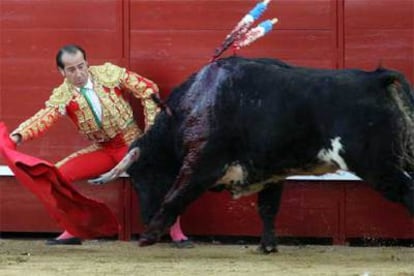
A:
x: 16, y: 138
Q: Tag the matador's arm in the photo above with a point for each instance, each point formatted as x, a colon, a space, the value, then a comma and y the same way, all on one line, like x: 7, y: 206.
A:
x: 44, y: 118
x: 142, y: 89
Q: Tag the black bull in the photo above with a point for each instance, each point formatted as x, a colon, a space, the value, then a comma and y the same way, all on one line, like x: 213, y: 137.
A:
x: 246, y: 124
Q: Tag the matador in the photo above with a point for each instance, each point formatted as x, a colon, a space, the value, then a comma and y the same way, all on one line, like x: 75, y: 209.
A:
x: 93, y: 97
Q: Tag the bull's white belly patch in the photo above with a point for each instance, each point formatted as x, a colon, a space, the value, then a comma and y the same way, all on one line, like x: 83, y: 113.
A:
x: 235, y: 179
x: 235, y: 173
x: 332, y: 155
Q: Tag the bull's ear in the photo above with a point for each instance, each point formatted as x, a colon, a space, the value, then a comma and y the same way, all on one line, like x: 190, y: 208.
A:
x: 161, y: 104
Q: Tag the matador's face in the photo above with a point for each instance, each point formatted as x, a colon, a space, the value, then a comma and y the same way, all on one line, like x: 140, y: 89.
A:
x: 76, y: 69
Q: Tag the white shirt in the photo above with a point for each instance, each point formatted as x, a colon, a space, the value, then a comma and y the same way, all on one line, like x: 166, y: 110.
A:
x: 93, y: 98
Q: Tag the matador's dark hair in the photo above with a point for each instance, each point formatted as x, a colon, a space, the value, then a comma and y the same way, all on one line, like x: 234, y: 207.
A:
x: 70, y: 49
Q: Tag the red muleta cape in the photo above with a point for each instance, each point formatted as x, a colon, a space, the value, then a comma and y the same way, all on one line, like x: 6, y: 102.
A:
x: 83, y: 217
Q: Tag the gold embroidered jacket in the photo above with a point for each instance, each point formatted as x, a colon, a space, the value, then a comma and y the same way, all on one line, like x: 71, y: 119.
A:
x: 109, y: 82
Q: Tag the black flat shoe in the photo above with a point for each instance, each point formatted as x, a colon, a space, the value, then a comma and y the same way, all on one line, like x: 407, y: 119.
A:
x: 182, y: 244
x: 69, y: 241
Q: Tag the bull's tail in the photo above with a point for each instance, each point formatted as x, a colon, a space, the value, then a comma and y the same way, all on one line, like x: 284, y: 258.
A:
x: 402, y: 95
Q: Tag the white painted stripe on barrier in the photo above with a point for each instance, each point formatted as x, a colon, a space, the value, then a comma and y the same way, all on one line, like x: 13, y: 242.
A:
x: 339, y: 175
x: 5, y: 171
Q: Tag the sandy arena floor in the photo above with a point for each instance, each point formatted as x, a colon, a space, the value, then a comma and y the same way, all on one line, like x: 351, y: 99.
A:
x: 32, y: 257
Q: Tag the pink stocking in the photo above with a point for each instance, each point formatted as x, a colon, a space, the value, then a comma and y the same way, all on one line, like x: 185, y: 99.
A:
x: 176, y: 233
x: 65, y: 235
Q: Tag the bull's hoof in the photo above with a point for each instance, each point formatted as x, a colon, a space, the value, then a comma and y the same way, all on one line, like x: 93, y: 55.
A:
x: 267, y: 249
x: 182, y: 244
x: 146, y: 241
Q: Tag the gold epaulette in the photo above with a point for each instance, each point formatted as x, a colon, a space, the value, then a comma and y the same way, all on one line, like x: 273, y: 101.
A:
x: 60, y: 97
x: 108, y: 74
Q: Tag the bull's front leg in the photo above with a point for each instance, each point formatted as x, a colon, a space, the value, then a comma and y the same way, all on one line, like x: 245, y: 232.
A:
x: 269, y: 202
x: 197, y: 174
x: 172, y: 207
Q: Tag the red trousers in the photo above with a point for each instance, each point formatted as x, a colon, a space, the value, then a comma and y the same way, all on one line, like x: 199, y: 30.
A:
x: 93, y: 160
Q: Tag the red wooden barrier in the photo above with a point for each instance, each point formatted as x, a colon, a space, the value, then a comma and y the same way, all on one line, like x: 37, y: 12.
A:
x: 20, y: 211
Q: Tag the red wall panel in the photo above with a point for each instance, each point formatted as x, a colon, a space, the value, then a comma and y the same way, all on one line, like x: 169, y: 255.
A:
x: 182, y: 35
x: 307, y: 210
x: 21, y: 211
x: 36, y: 29
x: 224, y: 14
x: 201, y: 44
x: 369, y: 215
x: 380, y: 32
x: 379, y: 14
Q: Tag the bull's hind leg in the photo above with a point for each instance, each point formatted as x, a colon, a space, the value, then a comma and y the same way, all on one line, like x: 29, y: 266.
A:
x: 269, y: 202
x: 397, y: 187
x: 394, y: 184
x: 197, y: 174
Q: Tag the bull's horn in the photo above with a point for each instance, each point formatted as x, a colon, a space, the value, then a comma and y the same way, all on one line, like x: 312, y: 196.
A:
x: 119, y: 169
